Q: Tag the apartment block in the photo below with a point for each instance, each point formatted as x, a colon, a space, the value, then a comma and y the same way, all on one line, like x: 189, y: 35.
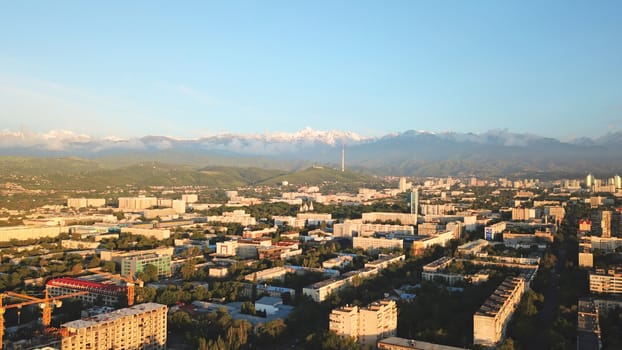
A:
x: 356, y: 227
x: 491, y: 319
x: 403, y: 218
x: 367, y: 324
x: 606, y: 281
x: 130, y: 266
x: 86, y: 202
x: 421, y: 243
x: 588, y: 328
x: 137, y: 203
x: 371, y: 243
x: 140, y: 327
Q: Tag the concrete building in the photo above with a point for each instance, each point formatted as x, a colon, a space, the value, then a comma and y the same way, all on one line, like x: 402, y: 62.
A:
x: 473, y: 247
x: 421, y: 243
x: 606, y: 281
x: 588, y: 328
x: 179, y: 206
x: 137, y: 203
x: 118, y: 256
x: 602, y: 223
x: 190, y: 198
x: 132, y: 265
x: 521, y: 214
x: 159, y: 234
x: 368, y: 324
x: 402, y: 218
x: 22, y: 233
x: 138, y: 327
x: 491, y: 319
x: 270, y: 305
x: 277, y: 273
x: 338, y: 262
x: 396, y: 343
x: 236, y: 216
x: 106, y: 293
x: 491, y: 230
x: 227, y: 248
x: 374, y: 244
x: 356, y: 227
x: 86, y: 202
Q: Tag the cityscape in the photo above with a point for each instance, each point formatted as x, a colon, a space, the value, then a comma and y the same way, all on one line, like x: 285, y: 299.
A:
x: 310, y: 175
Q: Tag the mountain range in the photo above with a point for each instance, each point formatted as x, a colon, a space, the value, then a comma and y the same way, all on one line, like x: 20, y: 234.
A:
x: 414, y: 153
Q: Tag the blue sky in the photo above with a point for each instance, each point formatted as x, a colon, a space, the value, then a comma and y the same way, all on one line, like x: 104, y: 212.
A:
x: 188, y: 69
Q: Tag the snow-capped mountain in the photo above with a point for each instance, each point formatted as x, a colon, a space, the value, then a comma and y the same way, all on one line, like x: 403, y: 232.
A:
x: 408, y: 152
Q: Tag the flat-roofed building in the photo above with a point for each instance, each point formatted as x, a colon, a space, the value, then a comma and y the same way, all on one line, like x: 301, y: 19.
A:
x: 138, y: 327
x: 421, y: 243
x: 137, y: 203
x: 588, y: 327
x: 396, y: 343
x: 606, y: 281
x: 402, y: 218
x: 491, y: 319
x: 366, y: 324
x: 86, y: 202
x: 106, y: 293
x: 130, y: 266
x: 356, y: 227
x: 371, y: 243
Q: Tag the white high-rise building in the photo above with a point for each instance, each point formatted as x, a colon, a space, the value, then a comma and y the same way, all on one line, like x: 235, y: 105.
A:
x: 589, y: 181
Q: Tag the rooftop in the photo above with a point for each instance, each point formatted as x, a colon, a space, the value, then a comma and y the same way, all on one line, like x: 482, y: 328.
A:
x: 113, y: 316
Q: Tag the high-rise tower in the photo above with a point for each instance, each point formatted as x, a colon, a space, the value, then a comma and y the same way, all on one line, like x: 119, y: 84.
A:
x: 343, y: 157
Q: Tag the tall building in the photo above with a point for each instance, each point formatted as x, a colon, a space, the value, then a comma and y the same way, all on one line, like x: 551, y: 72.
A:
x: 617, y: 180
x: 589, y: 181
x: 368, y: 324
x: 138, y: 327
x: 491, y: 319
x: 601, y: 223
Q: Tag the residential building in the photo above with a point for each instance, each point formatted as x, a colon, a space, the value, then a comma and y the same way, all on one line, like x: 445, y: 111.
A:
x: 588, y: 328
x: 86, y: 202
x: 132, y: 265
x: 491, y: 319
x: 367, y: 324
x: 606, y: 281
x: 402, y: 218
x: 356, y: 227
x: 137, y: 203
x: 373, y: 244
x: 140, y: 327
x: 421, y: 243
x: 396, y: 343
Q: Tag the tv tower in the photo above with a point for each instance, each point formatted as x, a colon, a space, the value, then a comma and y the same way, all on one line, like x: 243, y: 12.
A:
x: 343, y: 157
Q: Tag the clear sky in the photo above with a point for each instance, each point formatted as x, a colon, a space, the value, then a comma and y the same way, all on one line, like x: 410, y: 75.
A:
x: 187, y: 69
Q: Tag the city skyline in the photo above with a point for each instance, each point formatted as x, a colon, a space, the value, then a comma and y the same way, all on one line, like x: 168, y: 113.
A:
x: 129, y: 70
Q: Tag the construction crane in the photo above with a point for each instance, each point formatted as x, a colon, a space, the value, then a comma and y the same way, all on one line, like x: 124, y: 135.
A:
x: 130, y: 282
x: 47, y: 304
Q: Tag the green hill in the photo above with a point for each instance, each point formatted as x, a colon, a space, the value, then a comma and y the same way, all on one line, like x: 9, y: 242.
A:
x: 83, y: 174
x: 320, y: 175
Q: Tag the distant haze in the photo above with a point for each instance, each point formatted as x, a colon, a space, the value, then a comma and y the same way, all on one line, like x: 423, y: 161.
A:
x: 495, y: 152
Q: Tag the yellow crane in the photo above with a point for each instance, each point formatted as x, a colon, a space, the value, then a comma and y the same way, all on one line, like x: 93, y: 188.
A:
x: 46, y: 303
x: 129, y: 283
